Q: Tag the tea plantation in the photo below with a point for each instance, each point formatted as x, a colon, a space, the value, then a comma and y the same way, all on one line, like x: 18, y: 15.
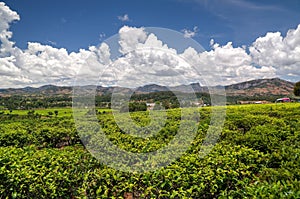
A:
x: 257, y: 156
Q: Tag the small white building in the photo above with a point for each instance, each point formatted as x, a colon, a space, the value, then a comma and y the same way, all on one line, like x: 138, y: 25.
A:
x: 150, y: 106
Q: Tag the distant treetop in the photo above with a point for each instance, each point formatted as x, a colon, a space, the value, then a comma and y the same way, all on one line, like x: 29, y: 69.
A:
x: 297, y: 89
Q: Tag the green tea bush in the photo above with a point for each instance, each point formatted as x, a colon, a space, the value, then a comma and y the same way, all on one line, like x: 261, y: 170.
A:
x: 256, y: 156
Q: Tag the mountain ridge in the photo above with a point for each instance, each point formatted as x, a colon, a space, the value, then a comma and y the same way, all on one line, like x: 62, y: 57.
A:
x: 273, y: 86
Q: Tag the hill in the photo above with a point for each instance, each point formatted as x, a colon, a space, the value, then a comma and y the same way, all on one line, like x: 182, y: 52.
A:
x: 260, y: 87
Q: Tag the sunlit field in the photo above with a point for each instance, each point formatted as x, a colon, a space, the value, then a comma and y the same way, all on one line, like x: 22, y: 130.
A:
x: 257, y: 155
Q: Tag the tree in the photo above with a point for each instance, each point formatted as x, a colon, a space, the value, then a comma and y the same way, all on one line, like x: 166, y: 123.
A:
x: 297, y: 89
x: 133, y: 107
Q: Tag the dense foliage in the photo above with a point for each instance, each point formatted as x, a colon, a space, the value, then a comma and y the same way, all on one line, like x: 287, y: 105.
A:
x: 134, y: 107
x: 257, y: 156
x: 31, y: 102
x: 297, y: 89
x: 167, y: 98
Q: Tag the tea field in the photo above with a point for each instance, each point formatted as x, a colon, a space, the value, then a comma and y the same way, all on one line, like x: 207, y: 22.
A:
x: 257, y: 156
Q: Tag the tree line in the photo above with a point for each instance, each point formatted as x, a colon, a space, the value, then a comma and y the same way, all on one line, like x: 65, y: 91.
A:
x: 167, y: 99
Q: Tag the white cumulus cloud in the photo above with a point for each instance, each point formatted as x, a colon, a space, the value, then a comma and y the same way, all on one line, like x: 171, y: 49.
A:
x: 282, y: 53
x: 144, y: 58
x: 130, y: 37
x: 233, y: 64
x: 7, y: 16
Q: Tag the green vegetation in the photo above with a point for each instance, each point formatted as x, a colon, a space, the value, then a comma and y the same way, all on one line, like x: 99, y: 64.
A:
x: 297, y: 89
x: 32, y: 102
x: 168, y: 100
x: 257, y: 156
x: 134, y: 107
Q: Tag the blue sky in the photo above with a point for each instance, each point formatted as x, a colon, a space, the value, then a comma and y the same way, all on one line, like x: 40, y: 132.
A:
x: 49, y: 42
x: 74, y: 24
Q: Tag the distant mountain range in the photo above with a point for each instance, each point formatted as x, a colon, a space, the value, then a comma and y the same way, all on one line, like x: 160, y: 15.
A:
x: 260, y: 87
x: 273, y: 86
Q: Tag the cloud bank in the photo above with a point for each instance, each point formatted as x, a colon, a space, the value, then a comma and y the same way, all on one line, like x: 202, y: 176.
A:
x: 272, y: 55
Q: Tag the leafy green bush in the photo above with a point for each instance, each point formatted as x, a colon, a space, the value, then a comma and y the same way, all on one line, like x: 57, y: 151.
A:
x: 257, y: 156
